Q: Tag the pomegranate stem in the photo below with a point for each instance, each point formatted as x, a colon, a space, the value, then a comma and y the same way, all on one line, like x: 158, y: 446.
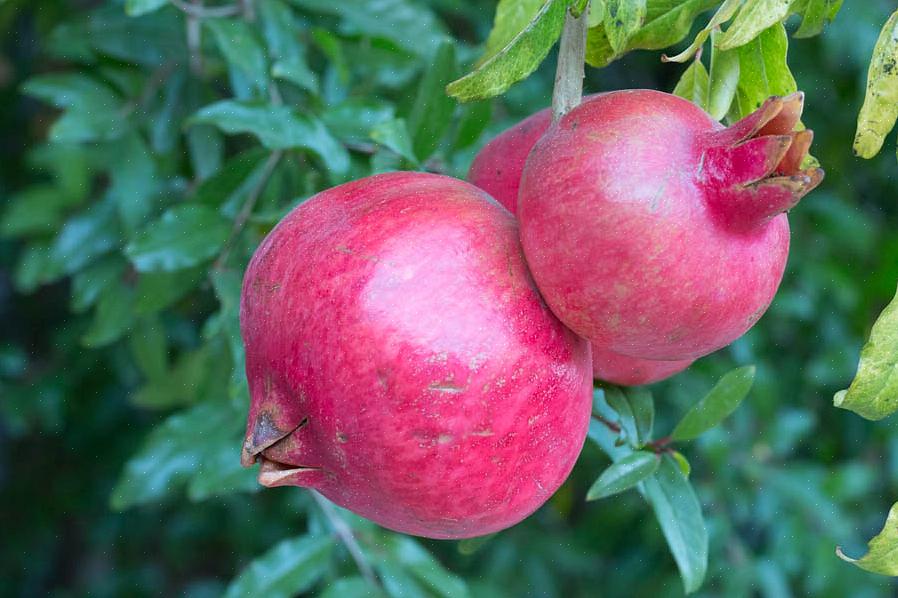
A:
x: 568, y: 89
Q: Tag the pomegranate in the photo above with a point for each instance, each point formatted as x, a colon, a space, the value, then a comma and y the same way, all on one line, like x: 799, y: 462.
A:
x: 401, y: 361
x: 632, y: 371
x: 654, y: 231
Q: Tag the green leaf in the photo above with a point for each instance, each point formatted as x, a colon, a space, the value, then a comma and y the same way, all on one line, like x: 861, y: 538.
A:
x: 635, y: 409
x: 132, y: 180
x: 185, y: 236
x: 474, y: 120
x: 525, y: 50
x: 723, y: 14
x: 815, y: 15
x: 148, y: 344
x: 433, y: 109
x: 720, y: 402
x: 410, y: 25
x: 113, y: 316
x: 680, y: 516
x: 753, y: 18
x: 351, y: 587
x: 206, y: 147
x: 880, y: 109
x: 693, y: 84
x: 723, y: 79
x: 93, y: 109
x: 158, y: 290
x: 414, y: 558
x: 136, y: 8
x: 242, y: 49
x: 89, y: 284
x: 291, y: 567
x: 194, y: 375
x: 622, y: 19
x: 296, y: 72
x: 85, y: 238
x: 220, y: 472
x: 682, y: 462
x: 624, y: 474
x: 666, y: 23
x: 354, y: 119
x: 277, y: 127
x: 36, y: 210
x: 763, y: 71
x: 237, y: 177
x: 171, y: 454
x: 393, y: 134
x: 873, y: 393
x: 882, y: 556
x: 280, y: 27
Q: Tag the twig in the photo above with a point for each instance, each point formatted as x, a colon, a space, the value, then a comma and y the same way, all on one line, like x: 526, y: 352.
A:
x: 195, y: 40
x: 247, y: 209
x: 568, y: 89
x: 201, y: 12
x: 249, y: 10
x: 347, y: 537
x: 608, y: 423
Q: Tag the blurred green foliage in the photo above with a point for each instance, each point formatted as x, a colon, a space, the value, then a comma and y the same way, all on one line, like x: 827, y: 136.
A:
x: 149, y: 154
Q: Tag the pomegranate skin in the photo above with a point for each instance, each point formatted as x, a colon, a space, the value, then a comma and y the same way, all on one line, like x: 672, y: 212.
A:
x: 608, y: 366
x: 498, y: 166
x: 402, y: 363
x: 655, y: 232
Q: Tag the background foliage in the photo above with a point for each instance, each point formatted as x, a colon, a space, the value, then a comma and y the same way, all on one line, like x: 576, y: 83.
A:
x: 145, y: 154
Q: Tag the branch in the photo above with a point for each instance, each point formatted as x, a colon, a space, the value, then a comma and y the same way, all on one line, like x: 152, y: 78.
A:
x: 346, y: 536
x: 247, y: 209
x: 568, y: 89
x: 201, y: 12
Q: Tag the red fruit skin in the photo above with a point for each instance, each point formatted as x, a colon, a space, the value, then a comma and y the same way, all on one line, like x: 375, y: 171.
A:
x: 653, y: 231
x: 498, y: 166
x: 631, y: 371
x: 402, y: 363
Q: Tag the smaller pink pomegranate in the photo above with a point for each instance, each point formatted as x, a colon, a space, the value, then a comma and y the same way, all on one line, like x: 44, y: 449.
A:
x: 654, y: 231
x: 401, y: 361
x: 608, y: 366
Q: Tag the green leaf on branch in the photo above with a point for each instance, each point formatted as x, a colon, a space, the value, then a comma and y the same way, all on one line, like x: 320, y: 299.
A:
x: 242, y: 49
x: 880, y: 109
x: 624, y: 474
x: 763, y: 72
x: 184, y: 236
x: 622, y: 18
x: 693, y: 84
x: 526, y: 32
x: 291, y: 567
x: 277, y: 127
x: 873, y: 393
x: 412, y: 557
x: 723, y: 80
x: 394, y: 135
x: 720, y: 402
x: 680, y: 515
x: 113, y: 316
x: 351, y: 587
x: 93, y: 111
x: 635, y: 409
x: 882, y: 556
x: 136, y: 8
x: 815, y: 15
x: 723, y: 14
x: 753, y: 18
x: 666, y: 23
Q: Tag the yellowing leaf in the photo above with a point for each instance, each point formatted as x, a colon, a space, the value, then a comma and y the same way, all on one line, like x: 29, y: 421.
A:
x: 622, y: 19
x: 753, y: 18
x: 882, y: 556
x: 880, y: 109
x: 723, y: 14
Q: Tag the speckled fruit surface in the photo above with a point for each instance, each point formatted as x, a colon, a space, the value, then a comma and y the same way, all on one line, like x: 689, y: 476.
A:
x: 608, y: 366
x: 401, y: 361
x: 655, y: 232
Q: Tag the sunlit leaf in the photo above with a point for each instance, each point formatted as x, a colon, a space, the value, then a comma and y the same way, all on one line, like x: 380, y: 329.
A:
x: 720, y: 402
x: 394, y: 135
x: 624, y: 474
x: 723, y: 14
x: 816, y: 14
x: 873, y: 393
x: 723, y: 79
x: 882, y: 556
x: 763, y: 71
x: 880, y: 109
x: 753, y: 18
x: 693, y: 84
x: 622, y: 18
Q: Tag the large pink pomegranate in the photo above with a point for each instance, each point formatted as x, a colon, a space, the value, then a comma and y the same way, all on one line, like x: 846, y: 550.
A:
x: 655, y: 232
x: 401, y: 361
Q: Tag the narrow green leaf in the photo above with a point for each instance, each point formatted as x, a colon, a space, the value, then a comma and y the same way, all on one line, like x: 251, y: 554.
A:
x: 113, y: 316
x: 89, y: 284
x: 753, y: 18
x: 880, y: 109
x: 148, y: 345
x: 93, y: 110
x: 873, y: 393
x: 723, y: 14
x: 277, y: 127
x: 185, y: 236
x: 693, y: 84
x: 721, y: 401
x: 242, y: 49
x: 642, y: 404
x: 523, y: 53
x: 85, y: 237
x: 680, y: 516
x: 763, y: 71
x: 136, y: 8
x: 815, y: 16
x: 433, y: 109
x: 414, y: 558
x: 624, y: 474
x: 351, y: 587
x: 622, y: 19
x: 291, y: 567
x: 474, y: 120
x: 132, y: 180
x: 667, y: 22
x: 723, y: 79
x: 882, y: 556
x: 206, y: 147
x: 393, y: 134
